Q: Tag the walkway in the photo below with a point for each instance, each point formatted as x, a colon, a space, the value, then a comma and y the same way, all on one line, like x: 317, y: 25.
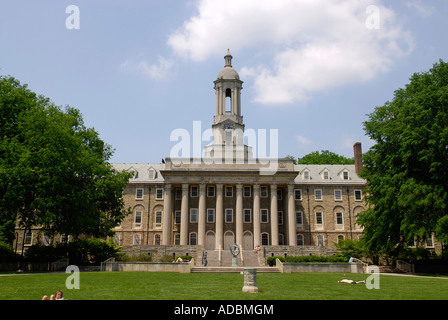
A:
x: 250, y: 260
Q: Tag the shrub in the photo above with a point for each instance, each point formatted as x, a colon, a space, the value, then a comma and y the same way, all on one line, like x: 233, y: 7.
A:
x: 7, y: 253
x: 79, y: 252
x: 306, y: 259
x: 144, y: 257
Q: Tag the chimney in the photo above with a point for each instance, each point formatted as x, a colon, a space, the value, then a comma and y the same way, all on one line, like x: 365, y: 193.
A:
x: 358, y: 157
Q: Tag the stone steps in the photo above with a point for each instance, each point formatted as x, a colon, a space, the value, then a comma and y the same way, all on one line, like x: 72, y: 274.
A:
x: 232, y: 270
x: 249, y: 257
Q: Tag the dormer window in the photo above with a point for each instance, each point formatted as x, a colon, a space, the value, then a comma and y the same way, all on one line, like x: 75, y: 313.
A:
x: 152, y: 174
x: 306, y: 175
x: 345, y: 175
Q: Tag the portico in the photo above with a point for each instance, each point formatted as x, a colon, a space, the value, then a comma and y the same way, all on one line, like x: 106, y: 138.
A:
x: 221, y: 201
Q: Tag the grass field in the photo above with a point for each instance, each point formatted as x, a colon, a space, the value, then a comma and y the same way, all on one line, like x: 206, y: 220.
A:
x: 175, y: 286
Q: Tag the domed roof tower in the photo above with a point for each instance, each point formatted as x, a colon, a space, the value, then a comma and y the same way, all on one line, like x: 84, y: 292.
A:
x: 228, y: 126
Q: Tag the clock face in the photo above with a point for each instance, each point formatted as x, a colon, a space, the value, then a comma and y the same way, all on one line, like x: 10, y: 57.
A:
x: 228, y: 126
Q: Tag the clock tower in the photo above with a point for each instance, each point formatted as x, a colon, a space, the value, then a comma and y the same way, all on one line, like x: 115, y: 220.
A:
x: 228, y: 126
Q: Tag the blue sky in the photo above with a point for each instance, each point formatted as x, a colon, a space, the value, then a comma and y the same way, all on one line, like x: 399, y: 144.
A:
x: 137, y: 70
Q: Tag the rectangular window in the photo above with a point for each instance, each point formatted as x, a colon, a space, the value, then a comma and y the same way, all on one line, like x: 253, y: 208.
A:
x: 338, y: 194
x: 297, y: 194
x: 299, y: 217
x: 229, y: 192
x: 178, y: 194
x: 246, y: 192
x: 138, y: 218
x: 177, y: 217
x: 139, y: 193
x: 345, y: 175
x: 319, y: 218
x: 280, y: 217
x: 264, y: 215
x: 210, y: 191
x: 28, y: 238
x: 159, y: 193
x: 158, y: 223
x: 247, y: 216
x: 229, y: 215
x: 194, y: 191
x: 176, y: 239
x: 210, y: 215
x: 194, y: 215
x: 429, y: 243
x: 326, y: 177
x: 358, y: 195
x: 339, y: 219
x: 263, y: 191
x: 318, y: 194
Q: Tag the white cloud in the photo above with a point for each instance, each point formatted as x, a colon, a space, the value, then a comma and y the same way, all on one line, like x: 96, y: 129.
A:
x: 304, y: 142
x: 158, y: 71
x: 422, y: 8
x: 313, y: 45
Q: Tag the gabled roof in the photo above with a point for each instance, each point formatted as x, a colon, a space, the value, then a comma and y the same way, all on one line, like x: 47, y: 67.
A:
x: 334, y: 172
x: 315, y: 176
x: 143, y: 170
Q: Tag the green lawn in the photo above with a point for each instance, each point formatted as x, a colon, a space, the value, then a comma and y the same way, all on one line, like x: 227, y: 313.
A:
x: 175, y: 286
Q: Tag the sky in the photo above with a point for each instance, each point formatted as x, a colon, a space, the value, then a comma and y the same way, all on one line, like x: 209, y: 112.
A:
x: 138, y: 70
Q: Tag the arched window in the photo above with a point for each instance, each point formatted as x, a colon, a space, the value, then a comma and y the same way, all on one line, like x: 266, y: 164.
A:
x: 193, y: 238
x: 300, y: 239
x: 265, y: 239
x: 320, y: 240
x: 228, y: 101
x: 157, y: 240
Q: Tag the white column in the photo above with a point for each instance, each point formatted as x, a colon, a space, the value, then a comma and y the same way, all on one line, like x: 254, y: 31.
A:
x: 239, y: 215
x: 219, y: 223
x: 291, y: 216
x: 201, y: 220
x: 256, y: 216
x: 184, y: 216
x: 274, y: 216
x: 166, y: 234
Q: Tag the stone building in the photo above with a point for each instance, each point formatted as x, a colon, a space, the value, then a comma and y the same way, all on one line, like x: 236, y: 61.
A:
x: 226, y: 196
x: 229, y: 196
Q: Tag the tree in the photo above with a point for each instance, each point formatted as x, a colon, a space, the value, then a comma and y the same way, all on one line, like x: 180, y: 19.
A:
x: 324, y: 157
x: 53, y: 170
x: 407, y: 168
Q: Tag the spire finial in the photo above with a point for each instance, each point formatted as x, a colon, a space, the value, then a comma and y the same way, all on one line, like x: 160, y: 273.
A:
x: 228, y: 59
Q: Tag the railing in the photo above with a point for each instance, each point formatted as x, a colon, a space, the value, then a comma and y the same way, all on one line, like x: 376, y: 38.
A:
x: 59, y: 265
x: 104, y: 263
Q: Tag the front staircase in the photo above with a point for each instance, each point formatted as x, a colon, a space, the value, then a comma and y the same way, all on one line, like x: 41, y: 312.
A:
x: 214, y: 265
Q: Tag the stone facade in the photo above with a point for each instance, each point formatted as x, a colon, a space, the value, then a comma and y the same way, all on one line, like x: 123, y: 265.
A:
x: 230, y: 196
